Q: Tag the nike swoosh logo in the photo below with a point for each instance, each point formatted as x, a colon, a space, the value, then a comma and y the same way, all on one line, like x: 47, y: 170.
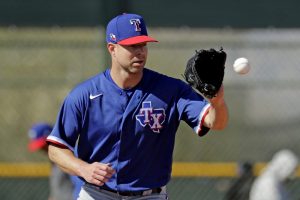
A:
x: 95, y: 96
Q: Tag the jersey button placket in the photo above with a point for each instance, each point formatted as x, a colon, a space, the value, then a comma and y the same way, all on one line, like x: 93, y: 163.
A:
x: 123, y: 101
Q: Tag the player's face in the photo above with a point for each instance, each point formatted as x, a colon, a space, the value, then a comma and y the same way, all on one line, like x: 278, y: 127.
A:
x: 131, y: 58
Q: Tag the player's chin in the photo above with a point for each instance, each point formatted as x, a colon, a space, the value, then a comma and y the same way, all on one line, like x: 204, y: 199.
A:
x: 135, y: 70
x: 137, y: 66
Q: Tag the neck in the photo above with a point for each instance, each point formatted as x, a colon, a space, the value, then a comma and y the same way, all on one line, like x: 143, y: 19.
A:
x: 125, y: 80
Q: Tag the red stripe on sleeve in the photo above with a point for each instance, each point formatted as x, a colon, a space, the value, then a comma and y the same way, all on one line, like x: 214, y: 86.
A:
x: 202, y: 129
x: 55, y: 143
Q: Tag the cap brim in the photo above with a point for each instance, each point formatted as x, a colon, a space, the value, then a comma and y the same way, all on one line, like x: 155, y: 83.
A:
x: 35, y: 145
x: 137, y: 40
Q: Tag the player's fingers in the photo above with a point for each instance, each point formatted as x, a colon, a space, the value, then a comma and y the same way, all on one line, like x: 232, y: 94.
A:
x: 97, y: 182
x: 103, y: 173
x: 107, y: 168
x: 103, y: 170
x: 100, y: 178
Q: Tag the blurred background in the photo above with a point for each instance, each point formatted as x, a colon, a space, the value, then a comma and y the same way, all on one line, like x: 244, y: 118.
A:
x: 46, y: 47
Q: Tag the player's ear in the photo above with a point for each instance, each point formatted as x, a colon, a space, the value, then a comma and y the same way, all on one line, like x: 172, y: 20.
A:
x: 111, y: 48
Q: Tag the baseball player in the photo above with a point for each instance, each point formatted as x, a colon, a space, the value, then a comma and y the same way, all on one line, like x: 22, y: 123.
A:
x: 62, y: 185
x: 271, y: 184
x: 116, y: 130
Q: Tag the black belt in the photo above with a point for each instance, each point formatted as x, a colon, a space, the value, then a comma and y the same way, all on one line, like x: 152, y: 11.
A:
x: 135, y: 193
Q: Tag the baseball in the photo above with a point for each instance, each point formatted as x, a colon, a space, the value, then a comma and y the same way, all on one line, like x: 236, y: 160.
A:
x: 241, y: 66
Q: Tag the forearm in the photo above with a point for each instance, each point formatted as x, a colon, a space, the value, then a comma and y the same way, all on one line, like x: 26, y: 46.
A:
x: 66, y: 160
x: 96, y: 173
x: 218, y: 115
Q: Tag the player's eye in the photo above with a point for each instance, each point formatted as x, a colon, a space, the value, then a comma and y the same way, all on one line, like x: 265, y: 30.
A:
x: 140, y: 45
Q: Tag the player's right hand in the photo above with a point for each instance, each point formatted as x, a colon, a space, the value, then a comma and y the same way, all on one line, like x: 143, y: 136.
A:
x: 97, y: 173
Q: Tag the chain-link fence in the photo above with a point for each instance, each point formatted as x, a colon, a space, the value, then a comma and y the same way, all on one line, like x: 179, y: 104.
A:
x: 39, y: 67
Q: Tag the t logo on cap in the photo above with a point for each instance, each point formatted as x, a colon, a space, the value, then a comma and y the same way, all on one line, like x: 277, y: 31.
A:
x: 136, y: 23
x: 120, y: 30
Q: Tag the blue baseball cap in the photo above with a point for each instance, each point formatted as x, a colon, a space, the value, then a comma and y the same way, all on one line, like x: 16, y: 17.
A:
x: 127, y: 29
x: 37, y: 135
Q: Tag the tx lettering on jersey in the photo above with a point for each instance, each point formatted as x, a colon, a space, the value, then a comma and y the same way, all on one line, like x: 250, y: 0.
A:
x: 154, y: 118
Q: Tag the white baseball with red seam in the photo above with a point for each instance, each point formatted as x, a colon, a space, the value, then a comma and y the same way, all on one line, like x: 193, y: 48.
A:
x: 241, y: 66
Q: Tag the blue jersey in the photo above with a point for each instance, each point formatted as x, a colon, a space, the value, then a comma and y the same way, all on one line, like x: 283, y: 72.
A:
x: 134, y: 129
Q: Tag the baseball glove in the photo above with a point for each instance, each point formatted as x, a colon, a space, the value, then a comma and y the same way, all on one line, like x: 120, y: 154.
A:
x: 205, y: 71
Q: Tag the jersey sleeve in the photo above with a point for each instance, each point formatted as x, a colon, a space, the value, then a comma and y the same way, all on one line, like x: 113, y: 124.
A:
x: 68, y: 124
x: 193, y: 109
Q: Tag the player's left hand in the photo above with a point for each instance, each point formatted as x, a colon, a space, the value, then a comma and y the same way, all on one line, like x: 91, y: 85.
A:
x: 205, y: 71
x: 217, y: 116
x: 219, y: 98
